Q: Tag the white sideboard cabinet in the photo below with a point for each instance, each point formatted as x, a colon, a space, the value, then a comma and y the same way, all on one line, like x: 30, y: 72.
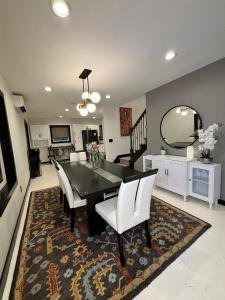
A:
x: 205, y: 181
x: 186, y: 177
x: 172, y: 172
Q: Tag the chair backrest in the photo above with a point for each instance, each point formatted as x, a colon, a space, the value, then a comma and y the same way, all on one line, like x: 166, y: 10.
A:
x: 134, y: 199
x: 82, y: 156
x: 74, y: 156
x: 56, y: 165
x: 67, y: 187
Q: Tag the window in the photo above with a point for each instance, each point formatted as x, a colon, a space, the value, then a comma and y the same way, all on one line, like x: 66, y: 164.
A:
x: 8, y: 179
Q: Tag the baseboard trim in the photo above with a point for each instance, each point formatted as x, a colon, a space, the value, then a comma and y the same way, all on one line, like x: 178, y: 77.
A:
x: 222, y: 202
x: 5, y: 271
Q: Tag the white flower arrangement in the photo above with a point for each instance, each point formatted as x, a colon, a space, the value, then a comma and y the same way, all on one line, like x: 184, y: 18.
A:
x: 207, y: 139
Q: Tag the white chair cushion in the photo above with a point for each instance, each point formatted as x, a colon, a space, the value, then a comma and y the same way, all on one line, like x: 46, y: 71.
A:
x: 107, y: 210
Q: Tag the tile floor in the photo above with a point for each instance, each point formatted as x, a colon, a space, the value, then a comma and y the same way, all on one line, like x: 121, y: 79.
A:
x: 199, y: 273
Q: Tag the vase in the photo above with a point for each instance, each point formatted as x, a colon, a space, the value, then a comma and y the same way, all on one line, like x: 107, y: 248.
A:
x: 93, y: 160
x: 206, y: 160
x: 163, y: 152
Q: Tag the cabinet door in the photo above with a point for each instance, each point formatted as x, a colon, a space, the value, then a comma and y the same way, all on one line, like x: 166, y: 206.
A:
x: 161, y: 177
x: 39, y: 132
x: 200, y: 183
x: 177, y: 177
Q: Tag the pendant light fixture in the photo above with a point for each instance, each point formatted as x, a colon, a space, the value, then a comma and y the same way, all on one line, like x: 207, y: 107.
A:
x: 88, y: 100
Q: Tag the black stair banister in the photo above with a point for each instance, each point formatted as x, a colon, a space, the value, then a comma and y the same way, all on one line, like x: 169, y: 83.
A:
x: 138, y: 138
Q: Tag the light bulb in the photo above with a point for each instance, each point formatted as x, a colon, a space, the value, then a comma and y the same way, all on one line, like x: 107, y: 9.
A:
x: 95, y: 97
x: 79, y: 106
x: 60, y: 8
x: 178, y: 110
x: 85, y: 95
x: 84, y: 112
x: 91, y: 107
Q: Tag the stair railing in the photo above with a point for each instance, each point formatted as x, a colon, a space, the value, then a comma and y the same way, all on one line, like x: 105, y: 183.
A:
x: 138, y: 138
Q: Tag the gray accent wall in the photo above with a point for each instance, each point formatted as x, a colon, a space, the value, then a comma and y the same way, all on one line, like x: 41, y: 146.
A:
x: 204, y: 90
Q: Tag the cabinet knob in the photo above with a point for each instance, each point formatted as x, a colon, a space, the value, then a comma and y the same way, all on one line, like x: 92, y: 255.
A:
x: 189, y: 179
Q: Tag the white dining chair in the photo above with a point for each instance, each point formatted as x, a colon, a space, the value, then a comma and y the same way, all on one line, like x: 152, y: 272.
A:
x: 74, y: 156
x: 71, y: 196
x: 130, y: 208
x: 61, y: 186
x: 82, y: 156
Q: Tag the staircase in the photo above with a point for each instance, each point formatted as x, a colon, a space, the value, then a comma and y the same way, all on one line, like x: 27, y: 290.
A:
x: 138, y: 139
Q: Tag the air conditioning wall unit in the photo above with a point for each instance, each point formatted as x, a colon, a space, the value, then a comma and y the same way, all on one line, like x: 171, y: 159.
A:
x: 19, y: 102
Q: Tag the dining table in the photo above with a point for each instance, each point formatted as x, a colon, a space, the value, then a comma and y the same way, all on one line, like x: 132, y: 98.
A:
x: 91, y: 181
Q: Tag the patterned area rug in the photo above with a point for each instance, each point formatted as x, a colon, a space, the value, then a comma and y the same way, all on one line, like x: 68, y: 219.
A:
x: 54, y: 263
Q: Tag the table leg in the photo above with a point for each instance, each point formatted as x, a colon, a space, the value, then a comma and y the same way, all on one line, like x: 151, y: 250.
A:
x: 96, y: 225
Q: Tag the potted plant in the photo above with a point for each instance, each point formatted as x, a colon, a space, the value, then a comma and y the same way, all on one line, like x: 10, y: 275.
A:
x: 163, y: 150
x: 207, y: 142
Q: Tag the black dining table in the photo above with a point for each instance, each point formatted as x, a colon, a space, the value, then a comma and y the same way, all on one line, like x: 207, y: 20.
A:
x: 92, y: 181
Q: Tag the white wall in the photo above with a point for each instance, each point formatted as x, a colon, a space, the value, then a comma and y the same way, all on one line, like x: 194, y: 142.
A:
x: 10, y: 215
x: 111, y: 127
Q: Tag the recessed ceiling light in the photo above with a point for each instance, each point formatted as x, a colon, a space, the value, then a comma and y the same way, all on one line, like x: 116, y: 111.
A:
x: 60, y: 116
x: 94, y: 117
x: 108, y: 96
x: 170, y: 55
x: 67, y: 109
x: 48, y: 89
x: 60, y: 8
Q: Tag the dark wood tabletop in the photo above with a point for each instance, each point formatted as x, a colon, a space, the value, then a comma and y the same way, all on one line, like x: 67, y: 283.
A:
x: 88, y: 183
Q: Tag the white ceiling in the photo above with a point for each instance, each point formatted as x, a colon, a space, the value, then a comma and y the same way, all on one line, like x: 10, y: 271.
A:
x: 123, y: 42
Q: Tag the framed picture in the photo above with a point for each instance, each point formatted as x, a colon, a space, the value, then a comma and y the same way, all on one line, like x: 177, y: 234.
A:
x: 60, y: 134
x: 125, y: 120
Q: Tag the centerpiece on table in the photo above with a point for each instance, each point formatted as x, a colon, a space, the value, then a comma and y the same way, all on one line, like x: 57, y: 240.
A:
x: 207, y: 142
x: 93, y: 152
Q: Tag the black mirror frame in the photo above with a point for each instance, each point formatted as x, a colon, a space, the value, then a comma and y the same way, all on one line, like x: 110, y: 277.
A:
x: 201, y: 126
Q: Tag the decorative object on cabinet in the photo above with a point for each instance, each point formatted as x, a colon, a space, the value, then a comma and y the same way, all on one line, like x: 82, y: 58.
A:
x: 125, y: 120
x: 205, y: 182
x: 179, y: 126
x: 60, y: 134
x: 163, y: 150
x: 207, y: 142
x: 172, y: 172
x: 190, y: 152
x: 8, y: 178
x: 60, y: 153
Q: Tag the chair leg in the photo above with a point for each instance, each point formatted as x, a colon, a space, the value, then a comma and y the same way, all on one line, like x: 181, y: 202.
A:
x: 120, y: 244
x: 148, y: 235
x: 67, y: 210
x: 72, y: 214
x: 64, y: 202
x: 61, y: 196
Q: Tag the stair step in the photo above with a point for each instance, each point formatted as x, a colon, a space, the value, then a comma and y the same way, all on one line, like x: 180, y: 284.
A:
x: 122, y: 165
x: 125, y: 161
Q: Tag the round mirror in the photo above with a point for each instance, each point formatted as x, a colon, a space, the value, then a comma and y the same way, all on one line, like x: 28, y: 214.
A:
x: 179, y: 126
